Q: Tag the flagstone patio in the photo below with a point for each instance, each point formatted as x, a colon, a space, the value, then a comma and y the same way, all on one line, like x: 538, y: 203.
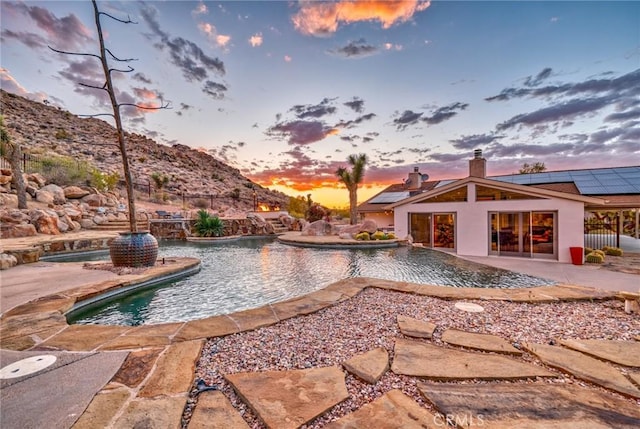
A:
x: 156, y: 379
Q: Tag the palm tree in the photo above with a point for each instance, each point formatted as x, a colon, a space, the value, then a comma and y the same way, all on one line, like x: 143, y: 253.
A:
x: 351, y: 180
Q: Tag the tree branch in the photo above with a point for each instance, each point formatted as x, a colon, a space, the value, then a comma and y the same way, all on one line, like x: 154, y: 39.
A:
x: 127, y: 21
x: 124, y: 60
x: 73, y: 53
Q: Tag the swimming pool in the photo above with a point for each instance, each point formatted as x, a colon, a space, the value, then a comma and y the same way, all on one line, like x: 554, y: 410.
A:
x: 250, y: 273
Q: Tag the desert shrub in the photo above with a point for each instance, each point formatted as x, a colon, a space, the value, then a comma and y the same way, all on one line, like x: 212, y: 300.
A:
x: 316, y: 212
x: 208, y: 226
x: 594, y: 258
x: 379, y: 235
x: 363, y: 236
x: 104, y: 181
x: 235, y: 193
x: 62, y: 134
x: 613, y: 251
x: 63, y: 170
x: 391, y: 236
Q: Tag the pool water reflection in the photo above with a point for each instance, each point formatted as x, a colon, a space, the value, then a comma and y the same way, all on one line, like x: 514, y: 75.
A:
x: 253, y: 272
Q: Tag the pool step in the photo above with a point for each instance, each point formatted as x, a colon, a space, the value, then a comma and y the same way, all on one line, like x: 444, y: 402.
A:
x: 278, y: 226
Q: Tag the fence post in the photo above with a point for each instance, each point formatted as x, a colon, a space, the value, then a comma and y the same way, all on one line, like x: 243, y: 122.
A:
x: 618, y: 228
x: 183, y: 199
x: 24, y: 162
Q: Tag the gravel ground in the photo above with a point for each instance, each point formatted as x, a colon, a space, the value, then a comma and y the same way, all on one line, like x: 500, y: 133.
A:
x: 333, y: 335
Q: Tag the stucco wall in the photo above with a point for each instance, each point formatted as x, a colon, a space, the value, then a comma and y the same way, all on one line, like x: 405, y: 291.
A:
x: 472, y: 221
x: 384, y: 221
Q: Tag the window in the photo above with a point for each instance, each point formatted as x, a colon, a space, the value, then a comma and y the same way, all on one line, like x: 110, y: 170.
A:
x: 484, y: 193
x: 454, y: 196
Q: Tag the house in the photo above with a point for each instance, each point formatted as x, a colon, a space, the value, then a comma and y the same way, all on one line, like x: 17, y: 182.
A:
x: 535, y: 215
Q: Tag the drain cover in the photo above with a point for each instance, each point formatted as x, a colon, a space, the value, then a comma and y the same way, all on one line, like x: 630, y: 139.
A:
x: 26, y: 366
x: 469, y: 306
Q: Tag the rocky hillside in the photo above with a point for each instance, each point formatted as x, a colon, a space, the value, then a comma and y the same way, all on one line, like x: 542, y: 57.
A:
x: 49, y: 131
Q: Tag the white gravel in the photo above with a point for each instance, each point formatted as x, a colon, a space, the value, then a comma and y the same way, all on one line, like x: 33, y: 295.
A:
x: 333, y: 335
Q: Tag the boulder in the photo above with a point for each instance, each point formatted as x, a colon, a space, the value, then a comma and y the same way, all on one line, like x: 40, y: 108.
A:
x: 62, y: 226
x: 95, y: 200
x: 19, y: 230
x: 75, y: 192
x: 45, y: 221
x: 87, y: 223
x: 44, y: 197
x: 36, y: 178
x: 7, y: 261
x: 8, y: 199
x: 100, y: 219
x: 73, y: 213
x: 56, y: 191
x: 367, y: 226
x: 318, y: 228
x: 5, y: 180
x: 13, y: 216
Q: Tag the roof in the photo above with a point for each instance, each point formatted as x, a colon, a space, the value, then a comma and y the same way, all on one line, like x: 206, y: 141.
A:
x: 504, y: 185
x: 394, y: 193
x: 601, y: 183
x: 593, y: 181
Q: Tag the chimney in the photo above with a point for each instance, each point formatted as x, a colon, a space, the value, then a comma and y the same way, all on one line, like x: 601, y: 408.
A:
x: 478, y: 165
x: 415, y: 180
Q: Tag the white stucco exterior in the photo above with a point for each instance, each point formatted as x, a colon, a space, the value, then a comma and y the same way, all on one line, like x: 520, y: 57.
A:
x: 384, y: 220
x: 472, y: 218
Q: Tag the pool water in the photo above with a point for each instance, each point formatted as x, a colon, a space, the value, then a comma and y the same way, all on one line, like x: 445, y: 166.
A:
x: 250, y: 273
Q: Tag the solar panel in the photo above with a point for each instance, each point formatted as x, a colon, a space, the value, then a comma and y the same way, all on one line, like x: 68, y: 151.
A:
x: 389, y: 197
x: 596, y: 181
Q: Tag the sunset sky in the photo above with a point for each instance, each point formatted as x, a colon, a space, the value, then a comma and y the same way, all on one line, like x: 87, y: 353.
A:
x: 286, y: 90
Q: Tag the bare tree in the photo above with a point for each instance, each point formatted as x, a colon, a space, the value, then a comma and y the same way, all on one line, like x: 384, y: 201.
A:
x: 14, y: 155
x: 538, y: 167
x: 108, y: 87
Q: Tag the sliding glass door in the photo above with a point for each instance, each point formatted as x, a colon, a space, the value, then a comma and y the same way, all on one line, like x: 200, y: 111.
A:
x: 524, y: 234
x: 433, y: 229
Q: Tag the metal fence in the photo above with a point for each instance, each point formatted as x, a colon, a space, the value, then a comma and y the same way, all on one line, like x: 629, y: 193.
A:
x: 602, y: 232
x: 31, y: 163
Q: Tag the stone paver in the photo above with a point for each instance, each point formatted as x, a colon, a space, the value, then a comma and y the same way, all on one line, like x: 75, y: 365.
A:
x: 84, y: 337
x: 214, y: 411
x: 136, y: 367
x: 163, y: 412
x: 17, y: 332
x: 174, y: 370
x: 254, y: 318
x: 530, y: 405
x: 485, y: 342
x: 625, y: 353
x: 289, y: 399
x: 215, y: 326
x: 440, y: 363
x: 415, y: 328
x: 369, y: 366
x: 102, y: 409
x: 393, y: 410
x: 584, y: 367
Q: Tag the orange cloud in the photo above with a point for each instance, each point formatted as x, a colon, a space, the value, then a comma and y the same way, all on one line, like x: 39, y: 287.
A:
x: 320, y: 18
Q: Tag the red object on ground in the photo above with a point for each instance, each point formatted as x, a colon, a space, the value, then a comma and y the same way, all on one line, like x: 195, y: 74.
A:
x: 577, y: 255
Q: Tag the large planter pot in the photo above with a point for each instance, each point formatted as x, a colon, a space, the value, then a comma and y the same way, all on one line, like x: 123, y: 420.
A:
x: 134, y: 249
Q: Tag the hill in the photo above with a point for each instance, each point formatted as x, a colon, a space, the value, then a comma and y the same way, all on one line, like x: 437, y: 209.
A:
x: 46, y: 131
